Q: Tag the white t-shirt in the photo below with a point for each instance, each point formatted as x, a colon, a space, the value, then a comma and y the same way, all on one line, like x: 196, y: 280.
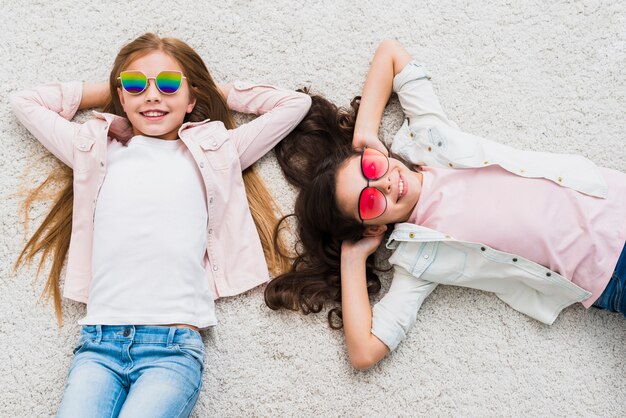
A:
x: 150, y: 239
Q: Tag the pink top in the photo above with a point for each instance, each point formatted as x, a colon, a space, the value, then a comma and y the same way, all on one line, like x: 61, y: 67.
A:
x: 578, y: 236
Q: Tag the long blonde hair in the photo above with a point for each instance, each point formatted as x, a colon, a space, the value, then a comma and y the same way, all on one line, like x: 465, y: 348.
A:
x: 53, y: 235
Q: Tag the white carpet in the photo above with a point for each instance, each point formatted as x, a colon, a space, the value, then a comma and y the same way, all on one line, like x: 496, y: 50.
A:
x: 532, y: 74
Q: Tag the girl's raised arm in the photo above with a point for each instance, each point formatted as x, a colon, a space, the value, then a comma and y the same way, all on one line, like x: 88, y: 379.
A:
x: 95, y: 95
x: 389, y: 59
x: 281, y: 110
x: 364, y: 349
x: 46, y: 112
x: 372, y: 333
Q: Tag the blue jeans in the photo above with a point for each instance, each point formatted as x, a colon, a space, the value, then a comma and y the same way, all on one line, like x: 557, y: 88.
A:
x: 134, y: 371
x: 613, y: 298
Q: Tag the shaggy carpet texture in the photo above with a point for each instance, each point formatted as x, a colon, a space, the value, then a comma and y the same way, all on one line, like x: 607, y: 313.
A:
x: 537, y: 75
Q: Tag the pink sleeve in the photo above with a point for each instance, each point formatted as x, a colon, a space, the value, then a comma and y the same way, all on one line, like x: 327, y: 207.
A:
x: 46, y: 112
x: 280, y: 110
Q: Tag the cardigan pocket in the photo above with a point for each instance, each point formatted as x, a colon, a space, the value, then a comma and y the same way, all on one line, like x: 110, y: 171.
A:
x: 219, y: 150
x: 82, y: 154
x: 448, y: 148
x: 447, y: 266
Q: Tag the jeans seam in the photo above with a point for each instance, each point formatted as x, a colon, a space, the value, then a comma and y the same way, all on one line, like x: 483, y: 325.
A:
x: 617, y: 300
x: 115, y: 405
x: 195, y: 392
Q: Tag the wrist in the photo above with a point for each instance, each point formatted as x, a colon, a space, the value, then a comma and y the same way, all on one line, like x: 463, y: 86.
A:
x: 94, y: 95
x: 365, y: 139
x: 353, y: 257
x: 362, y: 134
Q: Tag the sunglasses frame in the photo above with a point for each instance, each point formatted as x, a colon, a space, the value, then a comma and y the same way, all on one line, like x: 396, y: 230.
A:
x: 182, y: 77
x: 368, y: 186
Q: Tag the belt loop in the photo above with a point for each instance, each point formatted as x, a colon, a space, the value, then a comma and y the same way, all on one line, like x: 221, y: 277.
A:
x: 98, y: 334
x: 170, y: 336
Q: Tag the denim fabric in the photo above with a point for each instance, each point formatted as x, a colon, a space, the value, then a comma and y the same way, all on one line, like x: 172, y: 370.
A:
x: 134, y: 371
x: 614, y: 296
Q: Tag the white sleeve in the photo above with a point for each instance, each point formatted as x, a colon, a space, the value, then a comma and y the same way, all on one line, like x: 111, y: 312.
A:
x: 396, y: 312
x: 417, y: 97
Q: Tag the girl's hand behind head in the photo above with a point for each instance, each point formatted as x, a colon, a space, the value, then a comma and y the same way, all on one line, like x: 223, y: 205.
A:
x: 368, y: 140
x: 366, y: 246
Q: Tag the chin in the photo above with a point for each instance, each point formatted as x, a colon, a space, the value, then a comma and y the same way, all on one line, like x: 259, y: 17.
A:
x: 155, y: 133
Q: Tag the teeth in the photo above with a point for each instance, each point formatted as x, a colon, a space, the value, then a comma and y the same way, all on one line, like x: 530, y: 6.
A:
x: 154, y: 114
x: 401, y: 188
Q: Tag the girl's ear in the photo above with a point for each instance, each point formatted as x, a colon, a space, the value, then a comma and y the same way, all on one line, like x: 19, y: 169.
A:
x: 192, y: 103
x: 121, y: 96
x: 374, y: 230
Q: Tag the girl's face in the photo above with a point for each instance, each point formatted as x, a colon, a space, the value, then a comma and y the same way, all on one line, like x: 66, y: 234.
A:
x: 400, y: 186
x: 152, y: 113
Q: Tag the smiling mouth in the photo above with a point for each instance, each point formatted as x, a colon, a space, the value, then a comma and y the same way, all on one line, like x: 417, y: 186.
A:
x: 402, y: 188
x: 153, y: 114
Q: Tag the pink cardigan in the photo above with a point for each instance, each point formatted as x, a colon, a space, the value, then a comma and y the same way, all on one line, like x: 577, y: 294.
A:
x: 234, y: 259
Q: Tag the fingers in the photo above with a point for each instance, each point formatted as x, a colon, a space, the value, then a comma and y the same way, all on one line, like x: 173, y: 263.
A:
x: 371, y: 143
x: 381, y: 147
x: 374, y: 230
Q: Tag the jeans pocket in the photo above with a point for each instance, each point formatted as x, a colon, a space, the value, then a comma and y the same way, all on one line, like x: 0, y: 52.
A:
x: 83, y: 343
x: 192, y: 351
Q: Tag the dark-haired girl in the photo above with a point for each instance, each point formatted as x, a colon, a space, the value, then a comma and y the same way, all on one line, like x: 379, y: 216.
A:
x: 541, y: 231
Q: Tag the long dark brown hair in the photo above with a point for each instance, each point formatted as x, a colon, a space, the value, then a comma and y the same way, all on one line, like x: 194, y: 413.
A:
x: 310, y: 157
x: 53, y: 236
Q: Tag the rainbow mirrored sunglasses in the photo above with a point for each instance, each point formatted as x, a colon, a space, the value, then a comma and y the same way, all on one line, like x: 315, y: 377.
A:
x: 372, y: 201
x: 136, y: 82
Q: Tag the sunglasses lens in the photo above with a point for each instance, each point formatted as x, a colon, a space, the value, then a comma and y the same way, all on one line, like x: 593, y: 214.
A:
x: 133, y: 82
x: 374, y: 164
x: 169, y: 81
x: 372, y: 203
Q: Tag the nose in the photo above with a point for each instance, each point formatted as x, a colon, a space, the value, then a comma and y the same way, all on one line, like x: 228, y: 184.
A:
x: 152, y: 93
x: 383, y: 183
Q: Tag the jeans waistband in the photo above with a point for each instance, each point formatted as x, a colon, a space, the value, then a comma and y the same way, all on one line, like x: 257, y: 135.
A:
x: 141, y: 333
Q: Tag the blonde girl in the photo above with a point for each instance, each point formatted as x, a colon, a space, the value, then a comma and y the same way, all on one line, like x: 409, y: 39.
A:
x: 154, y: 218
